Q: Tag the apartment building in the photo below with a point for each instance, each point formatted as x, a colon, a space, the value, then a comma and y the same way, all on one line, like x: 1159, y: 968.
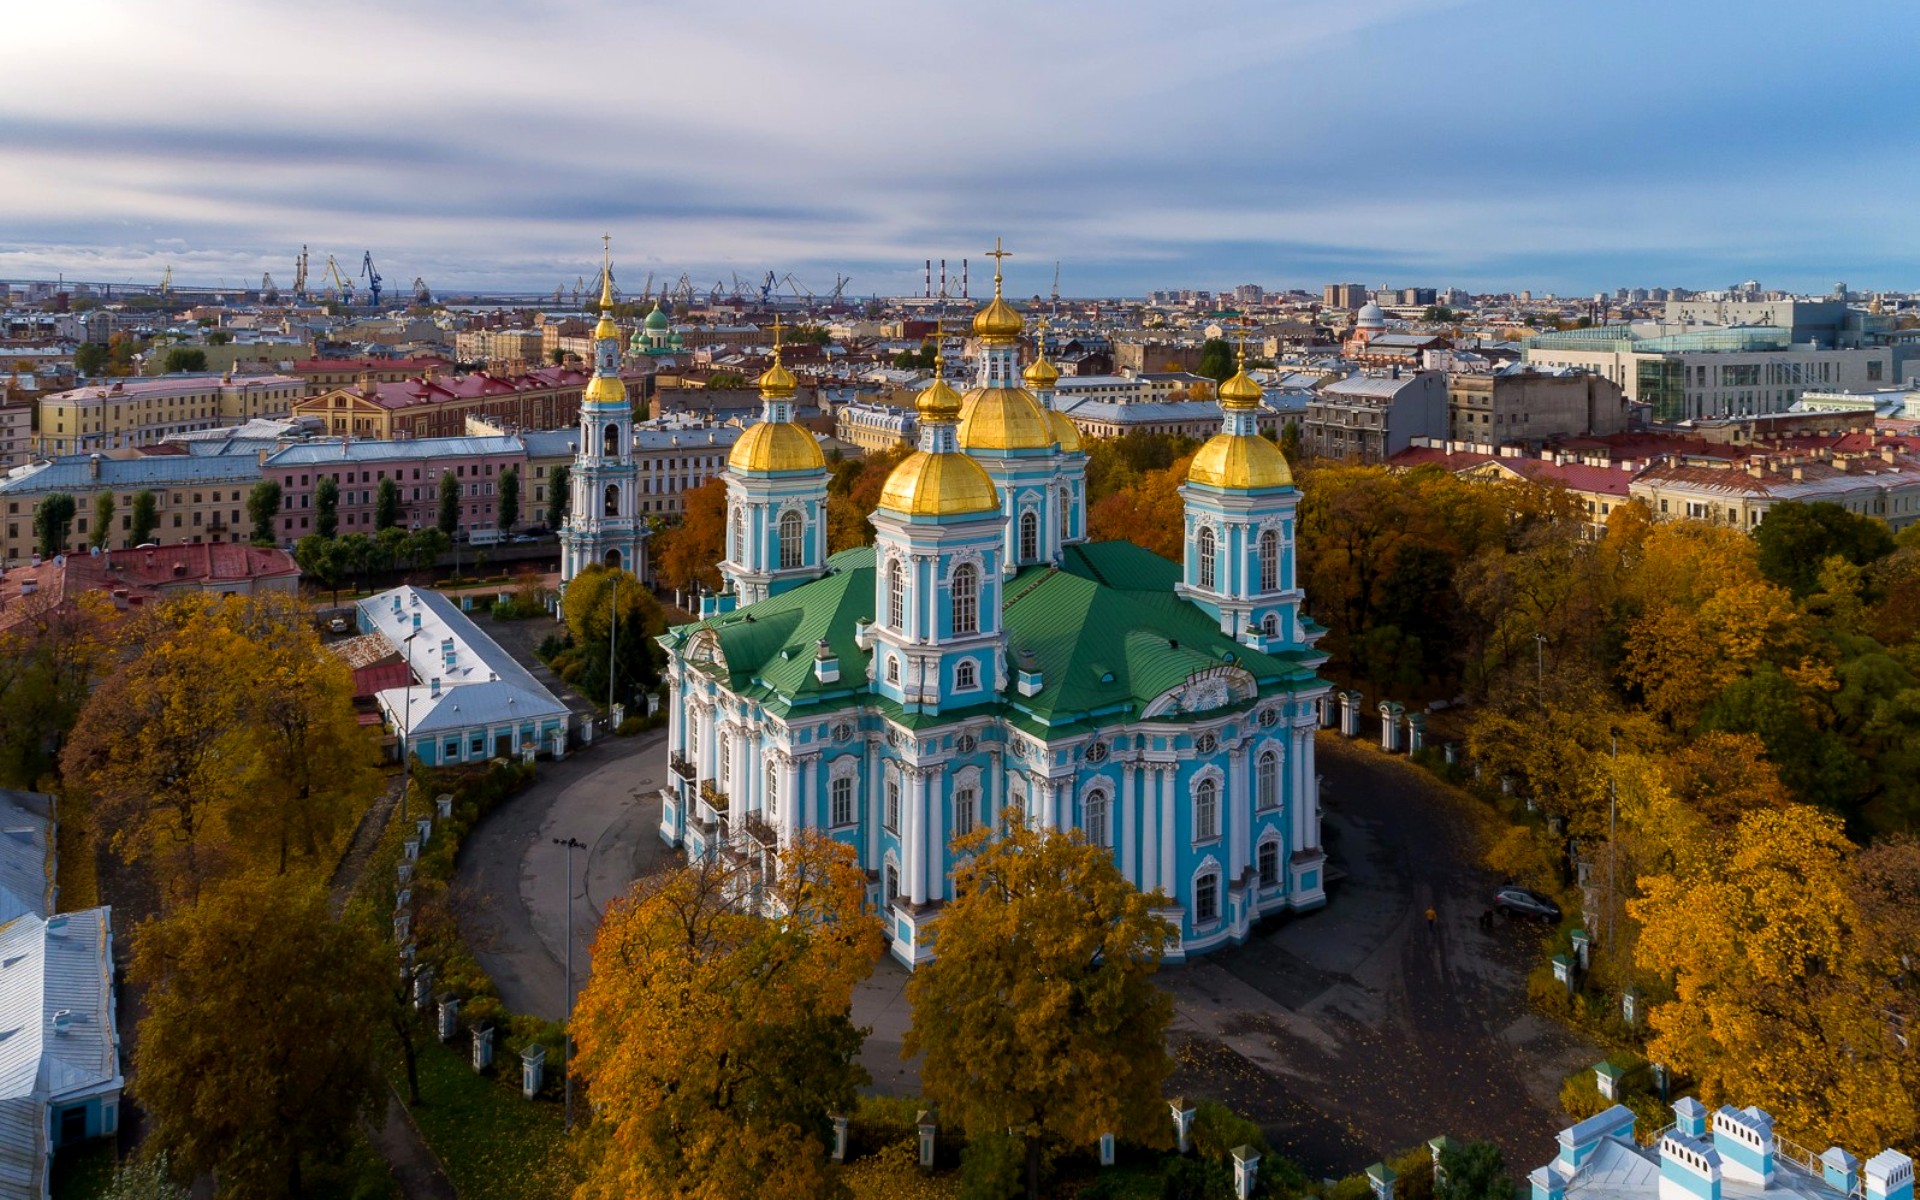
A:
x: 199, y: 497
x: 358, y: 468
x: 438, y: 406
x: 123, y: 414
x: 1370, y: 418
x: 498, y: 345
x: 1881, y: 482
x: 1531, y: 404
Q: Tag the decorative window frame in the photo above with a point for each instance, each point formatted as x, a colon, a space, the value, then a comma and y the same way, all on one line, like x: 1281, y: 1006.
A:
x: 1270, y: 836
x: 1277, y: 746
x: 1207, y: 866
x: 965, y: 779
x: 966, y: 661
x: 1099, y: 788
x: 890, y: 869
x: 1209, y: 773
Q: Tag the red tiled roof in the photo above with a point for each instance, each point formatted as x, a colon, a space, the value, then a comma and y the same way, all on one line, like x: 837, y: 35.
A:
x: 414, y: 393
x: 314, y: 366
x: 140, y: 576
x: 371, y: 681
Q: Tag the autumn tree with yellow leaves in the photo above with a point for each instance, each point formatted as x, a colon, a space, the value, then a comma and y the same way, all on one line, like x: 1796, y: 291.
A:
x: 227, y: 741
x: 1038, y: 1016
x: 1785, y: 984
x: 717, y: 1043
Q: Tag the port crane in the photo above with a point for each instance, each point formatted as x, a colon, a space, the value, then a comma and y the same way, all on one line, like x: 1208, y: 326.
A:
x: 269, y: 294
x: 421, y: 293
x: 166, y: 282
x: 647, y: 291
x: 339, y: 286
x: 300, y: 275
x: 373, y: 276
x: 840, y: 283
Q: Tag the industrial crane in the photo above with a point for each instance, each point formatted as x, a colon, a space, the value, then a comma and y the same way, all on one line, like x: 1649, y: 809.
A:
x: 766, y: 288
x: 373, y: 276
x: 840, y: 283
x: 719, y: 288
x: 683, y: 291
x: 339, y: 287
x: 300, y: 275
x: 1056, y: 285
x: 647, y: 292
x: 166, y: 282
x: 579, y: 286
x: 421, y: 293
x: 269, y: 294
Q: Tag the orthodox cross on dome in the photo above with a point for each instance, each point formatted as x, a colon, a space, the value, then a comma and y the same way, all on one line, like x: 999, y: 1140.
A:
x: 776, y: 338
x: 996, y: 254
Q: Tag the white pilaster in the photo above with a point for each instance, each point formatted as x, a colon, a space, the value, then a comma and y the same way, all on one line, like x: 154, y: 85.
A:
x: 1169, y: 833
x: 1129, y: 863
x: 917, y: 806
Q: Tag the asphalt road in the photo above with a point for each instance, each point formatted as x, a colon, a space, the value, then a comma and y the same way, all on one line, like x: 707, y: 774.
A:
x: 1346, y: 1033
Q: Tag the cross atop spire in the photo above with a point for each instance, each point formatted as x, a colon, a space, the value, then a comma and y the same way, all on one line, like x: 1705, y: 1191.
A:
x: 606, y: 271
x: 996, y: 254
x: 776, y: 339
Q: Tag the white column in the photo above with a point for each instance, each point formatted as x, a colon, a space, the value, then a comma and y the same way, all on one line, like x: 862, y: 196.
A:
x: 676, y: 725
x: 808, y: 818
x: 917, y: 806
x: 937, y: 837
x: 1129, y: 866
x: 1168, y: 829
x: 996, y: 785
x: 1297, y: 799
x: 790, y: 800
x: 1310, y: 782
x: 1150, y: 827
x: 1239, y: 806
x: 876, y: 807
x: 1042, y: 802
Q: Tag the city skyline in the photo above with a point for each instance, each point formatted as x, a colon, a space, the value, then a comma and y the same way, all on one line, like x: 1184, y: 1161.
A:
x: 1428, y: 142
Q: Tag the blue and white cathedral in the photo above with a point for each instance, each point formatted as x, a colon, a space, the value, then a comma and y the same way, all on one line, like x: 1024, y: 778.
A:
x: 983, y: 661
x: 603, y: 522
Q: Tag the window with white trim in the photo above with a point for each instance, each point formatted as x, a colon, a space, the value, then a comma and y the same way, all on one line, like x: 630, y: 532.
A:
x: 773, y: 791
x: 1269, y: 561
x: 893, y: 805
x: 896, y: 595
x: 1206, y: 811
x: 1205, y: 551
x: 840, y: 794
x: 966, y: 811
x: 1029, y: 536
x: 966, y: 676
x: 1095, y: 818
x: 966, y: 599
x: 739, y: 535
x: 792, y: 538
x: 1266, y: 780
x: 1269, y: 860
x: 1206, y: 898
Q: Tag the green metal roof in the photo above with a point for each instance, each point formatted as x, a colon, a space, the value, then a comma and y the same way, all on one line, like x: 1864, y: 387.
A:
x: 1104, y: 629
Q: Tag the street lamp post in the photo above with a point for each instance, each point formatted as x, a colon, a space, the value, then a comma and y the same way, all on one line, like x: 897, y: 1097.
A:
x: 1540, y: 668
x: 566, y: 1036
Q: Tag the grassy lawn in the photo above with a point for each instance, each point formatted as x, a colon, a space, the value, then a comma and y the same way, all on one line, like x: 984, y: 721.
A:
x: 495, y: 1145
x: 83, y: 1172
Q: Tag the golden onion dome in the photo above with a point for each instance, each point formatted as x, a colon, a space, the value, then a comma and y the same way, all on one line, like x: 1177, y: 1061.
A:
x: 997, y: 322
x: 1065, y: 432
x: 939, y: 485
x: 938, y: 401
x: 1040, y: 373
x: 605, y: 389
x: 606, y: 329
x: 1003, y: 418
x: 1240, y: 461
x: 1240, y: 391
x: 776, y: 446
x: 777, y: 382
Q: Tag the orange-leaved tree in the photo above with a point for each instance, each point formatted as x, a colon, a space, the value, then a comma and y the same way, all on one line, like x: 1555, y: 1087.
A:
x: 717, y: 1042
x: 1039, y: 1016
x: 687, y: 555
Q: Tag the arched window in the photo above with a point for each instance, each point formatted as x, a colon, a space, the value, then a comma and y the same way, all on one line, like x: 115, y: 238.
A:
x: 610, y: 441
x: 726, y: 760
x: 773, y: 791
x: 1096, y: 818
x: 1270, y: 625
x: 842, y: 798
x: 966, y: 599
x: 966, y: 676
x: 1269, y: 561
x: 896, y: 595
x: 613, y: 500
x: 1029, y: 536
x: 1206, y: 899
x: 1066, y: 512
x: 1269, y: 863
x: 739, y: 535
x: 792, y: 532
x: 1266, y: 781
x: 1205, y: 551
x: 966, y: 811
x: 1206, y: 811
x: 893, y: 669
x: 893, y: 805
x: 893, y: 883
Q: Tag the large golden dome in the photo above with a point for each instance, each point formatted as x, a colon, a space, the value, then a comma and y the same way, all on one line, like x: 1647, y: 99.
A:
x: 939, y: 485
x: 776, y: 446
x: 1004, y: 418
x: 1240, y: 461
x: 605, y: 389
x: 1065, y: 432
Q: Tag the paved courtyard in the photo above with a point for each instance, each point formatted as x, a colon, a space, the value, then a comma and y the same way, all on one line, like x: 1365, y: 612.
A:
x: 1345, y: 1033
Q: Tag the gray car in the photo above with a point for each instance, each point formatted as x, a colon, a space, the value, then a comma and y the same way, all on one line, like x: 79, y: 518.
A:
x: 1515, y: 901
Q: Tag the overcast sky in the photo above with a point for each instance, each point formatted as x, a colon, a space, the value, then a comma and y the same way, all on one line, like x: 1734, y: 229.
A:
x: 1548, y: 144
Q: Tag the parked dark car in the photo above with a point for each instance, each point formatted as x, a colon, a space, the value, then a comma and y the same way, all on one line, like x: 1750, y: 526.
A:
x: 1512, y: 901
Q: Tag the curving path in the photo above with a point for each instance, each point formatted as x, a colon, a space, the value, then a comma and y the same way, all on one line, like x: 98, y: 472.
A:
x: 511, y: 885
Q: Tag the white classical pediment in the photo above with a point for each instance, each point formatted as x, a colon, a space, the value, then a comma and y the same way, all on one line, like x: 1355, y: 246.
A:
x: 1206, y: 690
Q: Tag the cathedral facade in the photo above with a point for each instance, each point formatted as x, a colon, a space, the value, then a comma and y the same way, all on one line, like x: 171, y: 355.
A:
x: 983, y: 662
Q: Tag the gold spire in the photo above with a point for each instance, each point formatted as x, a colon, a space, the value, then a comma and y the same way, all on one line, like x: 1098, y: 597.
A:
x: 1040, y: 373
x: 777, y: 383
x: 1240, y: 392
x: 606, y: 328
x: 997, y: 323
x: 939, y: 402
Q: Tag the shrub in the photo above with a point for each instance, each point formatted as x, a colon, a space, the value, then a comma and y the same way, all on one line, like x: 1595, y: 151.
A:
x: 1217, y: 1129
x: 1196, y: 1179
x: 992, y: 1168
